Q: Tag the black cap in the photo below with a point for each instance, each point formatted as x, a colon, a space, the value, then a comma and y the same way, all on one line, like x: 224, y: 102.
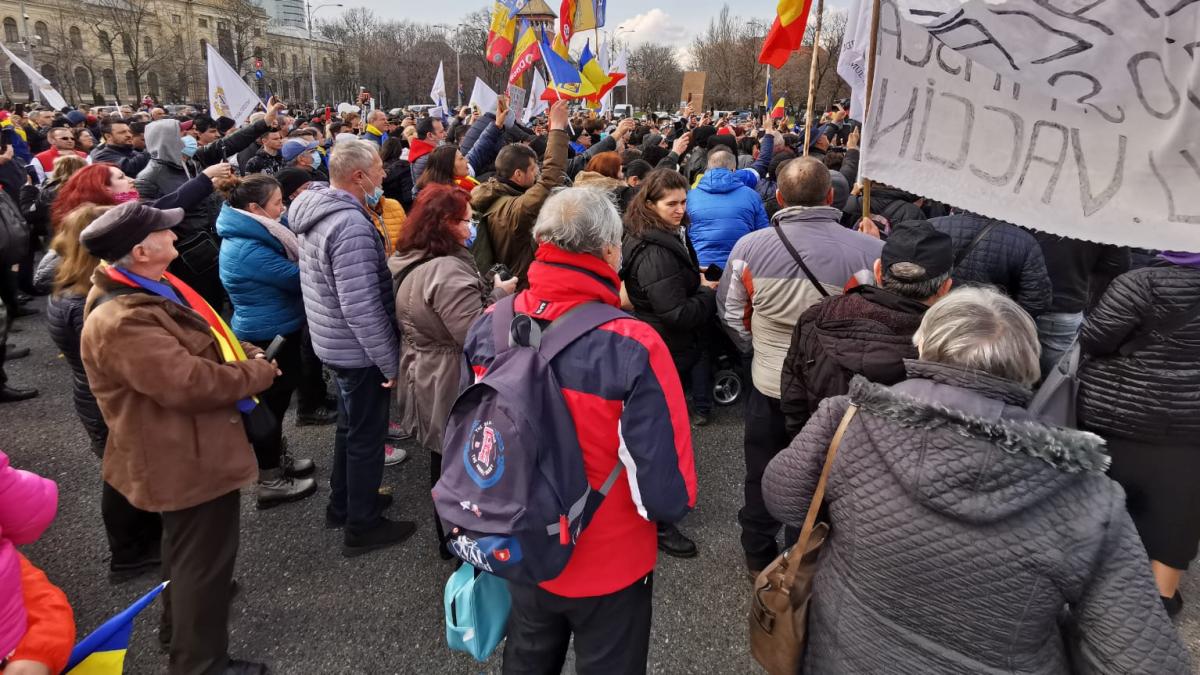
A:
x: 224, y: 124
x: 917, y: 242
x: 290, y: 179
x: 118, y: 230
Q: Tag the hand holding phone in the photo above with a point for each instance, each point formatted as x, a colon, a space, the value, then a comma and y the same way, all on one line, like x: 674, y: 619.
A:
x: 274, y: 347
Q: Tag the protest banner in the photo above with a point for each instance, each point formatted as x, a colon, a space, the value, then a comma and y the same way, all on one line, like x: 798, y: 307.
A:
x: 228, y: 94
x: 1080, y: 123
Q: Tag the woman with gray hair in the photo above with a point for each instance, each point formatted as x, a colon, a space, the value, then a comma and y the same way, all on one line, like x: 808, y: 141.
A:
x: 960, y: 528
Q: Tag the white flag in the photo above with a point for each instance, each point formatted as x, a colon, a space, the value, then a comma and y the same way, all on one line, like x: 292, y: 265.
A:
x: 536, y: 105
x: 36, y: 79
x: 228, y: 94
x: 483, y: 96
x: 438, y: 94
x: 852, y: 62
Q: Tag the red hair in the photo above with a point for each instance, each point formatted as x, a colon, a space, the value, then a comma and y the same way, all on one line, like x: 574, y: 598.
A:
x: 89, y: 185
x: 431, y: 224
x: 606, y: 164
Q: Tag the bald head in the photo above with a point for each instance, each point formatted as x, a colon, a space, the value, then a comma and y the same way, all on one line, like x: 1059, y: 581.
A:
x: 805, y: 182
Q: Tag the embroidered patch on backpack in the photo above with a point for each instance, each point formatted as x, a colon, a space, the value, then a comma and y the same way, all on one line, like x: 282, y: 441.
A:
x: 484, y: 454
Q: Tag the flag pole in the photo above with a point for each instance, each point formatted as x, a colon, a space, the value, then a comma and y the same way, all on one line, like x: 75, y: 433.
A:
x: 866, y: 196
x: 812, y: 75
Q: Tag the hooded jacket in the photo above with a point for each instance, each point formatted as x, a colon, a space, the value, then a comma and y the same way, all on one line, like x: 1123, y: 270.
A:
x: 868, y: 331
x: 435, y: 307
x: 722, y: 210
x: 961, y: 533
x: 28, y: 503
x: 763, y: 292
x: 345, y: 282
x: 263, y: 285
x: 168, y: 170
x: 510, y: 214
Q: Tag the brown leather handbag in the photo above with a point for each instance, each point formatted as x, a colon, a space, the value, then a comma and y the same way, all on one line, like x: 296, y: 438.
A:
x: 779, y: 605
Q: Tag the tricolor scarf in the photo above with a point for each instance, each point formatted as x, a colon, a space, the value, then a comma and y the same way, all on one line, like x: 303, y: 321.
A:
x: 466, y: 183
x: 227, y: 341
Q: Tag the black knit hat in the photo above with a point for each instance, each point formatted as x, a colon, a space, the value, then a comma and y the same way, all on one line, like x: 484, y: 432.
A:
x: 290, y: 180
x: 224, y: 124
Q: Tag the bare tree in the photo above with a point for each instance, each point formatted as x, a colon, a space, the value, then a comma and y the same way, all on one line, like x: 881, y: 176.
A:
x: 655, y: 77
x: 727, y: 51
x: 128, y: 30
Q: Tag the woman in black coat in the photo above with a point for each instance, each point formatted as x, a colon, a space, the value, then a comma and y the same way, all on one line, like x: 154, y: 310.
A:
x: 1140, y: 390
x: 664, y: 283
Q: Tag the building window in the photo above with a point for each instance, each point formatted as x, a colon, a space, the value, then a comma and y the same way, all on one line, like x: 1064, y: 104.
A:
x: 284, y: 89
x: 11, y: 34
x: 177, y: 43
x: 50, y: 73
x: 147, y: 46
x: 105, y: 42
x: 258, y: 52
x: 131, y: 84
x: 294, y: 62
x: 42, y: 31
x: 75, y: 37
x: 110, y: 82
x: 152, y: 84
x: 204, y: 49
x: 271, y: 60
x: 126, y: 44
x: 83, y: 80
x: 175, y: 18
x: 204, y: 23
x: 222, y: 25
x: 17, y: 76
x: 257, y: 33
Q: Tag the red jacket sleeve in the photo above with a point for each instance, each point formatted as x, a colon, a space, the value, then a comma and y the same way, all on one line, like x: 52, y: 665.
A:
x: 50, y: 635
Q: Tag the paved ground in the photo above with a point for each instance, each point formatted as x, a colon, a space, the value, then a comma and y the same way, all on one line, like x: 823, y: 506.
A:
x: 305, y: 609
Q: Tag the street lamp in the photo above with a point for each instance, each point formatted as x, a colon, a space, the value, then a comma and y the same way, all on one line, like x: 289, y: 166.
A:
x: 312, y: 71
x: 457, y: 62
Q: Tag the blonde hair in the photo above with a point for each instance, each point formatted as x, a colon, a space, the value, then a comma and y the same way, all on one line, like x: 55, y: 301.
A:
x: 65, y: 166
x: 75, y: 271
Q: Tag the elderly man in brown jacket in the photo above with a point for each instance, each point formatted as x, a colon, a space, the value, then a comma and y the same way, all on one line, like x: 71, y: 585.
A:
x: 160, y: 365
x: 509, y: 203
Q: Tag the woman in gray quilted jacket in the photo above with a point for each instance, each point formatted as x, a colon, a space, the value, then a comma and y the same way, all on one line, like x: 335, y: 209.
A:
x: 965, y: 537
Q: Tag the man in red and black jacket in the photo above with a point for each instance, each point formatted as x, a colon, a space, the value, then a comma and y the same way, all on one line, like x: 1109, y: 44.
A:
x: 627, y: 406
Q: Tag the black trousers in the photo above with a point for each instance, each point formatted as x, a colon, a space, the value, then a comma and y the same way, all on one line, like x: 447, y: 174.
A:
x: 200, y: 546
x: 133, y: 534
x: 313, y: 393
x: 278, y: 398
x: 358, y: 442
x: 765, y: 436
x: 612, y: 632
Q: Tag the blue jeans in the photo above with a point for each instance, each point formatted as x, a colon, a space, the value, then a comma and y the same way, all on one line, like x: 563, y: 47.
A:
x: 358, y: 447
x: 1056, y: 332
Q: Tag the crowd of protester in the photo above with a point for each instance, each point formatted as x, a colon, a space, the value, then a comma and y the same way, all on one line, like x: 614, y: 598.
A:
x: 175, y: 251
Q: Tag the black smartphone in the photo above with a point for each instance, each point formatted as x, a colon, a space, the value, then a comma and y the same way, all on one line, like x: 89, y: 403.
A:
x: 274, y: 347
x: 712, y: 273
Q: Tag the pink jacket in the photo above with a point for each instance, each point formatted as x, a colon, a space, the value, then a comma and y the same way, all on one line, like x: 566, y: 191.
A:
x: 27, y: 505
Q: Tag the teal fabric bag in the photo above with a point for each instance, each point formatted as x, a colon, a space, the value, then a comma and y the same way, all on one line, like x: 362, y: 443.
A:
x: 477, y: 606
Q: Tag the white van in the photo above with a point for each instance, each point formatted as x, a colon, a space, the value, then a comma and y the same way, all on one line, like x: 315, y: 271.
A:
x: 623, y: 110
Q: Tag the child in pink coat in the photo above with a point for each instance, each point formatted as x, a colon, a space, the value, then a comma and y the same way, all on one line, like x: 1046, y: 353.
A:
x: 27, y: 505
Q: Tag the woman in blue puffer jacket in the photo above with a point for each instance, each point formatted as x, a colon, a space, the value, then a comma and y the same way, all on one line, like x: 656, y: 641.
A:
x: 260, y: 273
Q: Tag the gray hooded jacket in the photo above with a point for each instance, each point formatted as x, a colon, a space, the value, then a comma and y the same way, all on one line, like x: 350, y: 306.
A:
x: 960, y: 532
x: 345, y: 281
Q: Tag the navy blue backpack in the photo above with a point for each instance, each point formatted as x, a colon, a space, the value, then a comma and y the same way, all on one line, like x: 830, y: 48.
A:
x: 513, y: 492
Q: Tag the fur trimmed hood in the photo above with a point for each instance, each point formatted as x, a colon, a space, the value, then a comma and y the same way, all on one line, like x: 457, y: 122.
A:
x: 940, y: 431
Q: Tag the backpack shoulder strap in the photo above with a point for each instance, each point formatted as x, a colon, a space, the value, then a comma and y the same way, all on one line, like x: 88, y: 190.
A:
x: 398, y: 280
x: 962, y: 255
x: 799, y: 261
x: 502, y: 317
x: 571, y: 326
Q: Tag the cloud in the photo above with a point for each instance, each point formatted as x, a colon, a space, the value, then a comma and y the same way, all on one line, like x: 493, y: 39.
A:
x: 654, y: 26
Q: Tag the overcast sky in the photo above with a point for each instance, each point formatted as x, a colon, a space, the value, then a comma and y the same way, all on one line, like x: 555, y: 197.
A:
x: 670, y: 22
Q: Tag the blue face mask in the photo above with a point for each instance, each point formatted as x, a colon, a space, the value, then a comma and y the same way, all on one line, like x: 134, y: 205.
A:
x: 373, y: 197
x: 473, y: 230
x: 316, y: 158
x: 189, y: 146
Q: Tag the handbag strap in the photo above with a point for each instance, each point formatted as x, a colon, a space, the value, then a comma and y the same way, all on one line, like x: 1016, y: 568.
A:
x: 814, y: 507
x: 962, y: 255
x: 799, y: 261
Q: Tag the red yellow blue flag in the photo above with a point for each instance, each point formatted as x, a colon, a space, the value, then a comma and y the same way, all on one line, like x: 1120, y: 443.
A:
x: 103, y: 652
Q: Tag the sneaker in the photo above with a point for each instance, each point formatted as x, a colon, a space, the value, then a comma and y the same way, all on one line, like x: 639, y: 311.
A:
x: 292, y: 467
x: 383, y: 534
x: 396, y: 433
x: 274, y: 488
x: 316, y: 418
x: 18, y: 353
x: 335, y: 523
x: 700, y: 419
x: 393, y: 454
x: 672, y: 542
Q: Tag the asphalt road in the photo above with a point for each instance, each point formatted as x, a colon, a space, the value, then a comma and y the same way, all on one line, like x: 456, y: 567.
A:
x: 304, y: 608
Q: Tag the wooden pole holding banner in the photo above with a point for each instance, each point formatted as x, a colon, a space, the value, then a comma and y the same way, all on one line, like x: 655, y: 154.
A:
x: 866, y: 196
x: 812, y: 76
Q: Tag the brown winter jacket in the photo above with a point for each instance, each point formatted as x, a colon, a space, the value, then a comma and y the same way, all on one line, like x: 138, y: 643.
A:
x: 436, y: 305
x: 511, y: 214
x: 176, y: 439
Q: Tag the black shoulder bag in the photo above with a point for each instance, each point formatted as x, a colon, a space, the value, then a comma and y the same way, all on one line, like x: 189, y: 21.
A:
x: 800, y: 261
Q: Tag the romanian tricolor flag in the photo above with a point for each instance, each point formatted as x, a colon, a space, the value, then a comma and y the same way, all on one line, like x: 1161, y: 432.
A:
x: 778, y: 112
x: 589, y: 14
x: 526, y: 54
x: 786, y: 33
x: 103, y: 652
x: 500, y: 34
x: 591, y: 71
x: 566, y: 82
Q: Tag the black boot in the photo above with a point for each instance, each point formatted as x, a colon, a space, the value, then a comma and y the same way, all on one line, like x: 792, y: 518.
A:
x: 239, y: 667
x: 1173, y: 604
x: 672, y: 542
x: 382, y: 534
x: 10, y: 395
